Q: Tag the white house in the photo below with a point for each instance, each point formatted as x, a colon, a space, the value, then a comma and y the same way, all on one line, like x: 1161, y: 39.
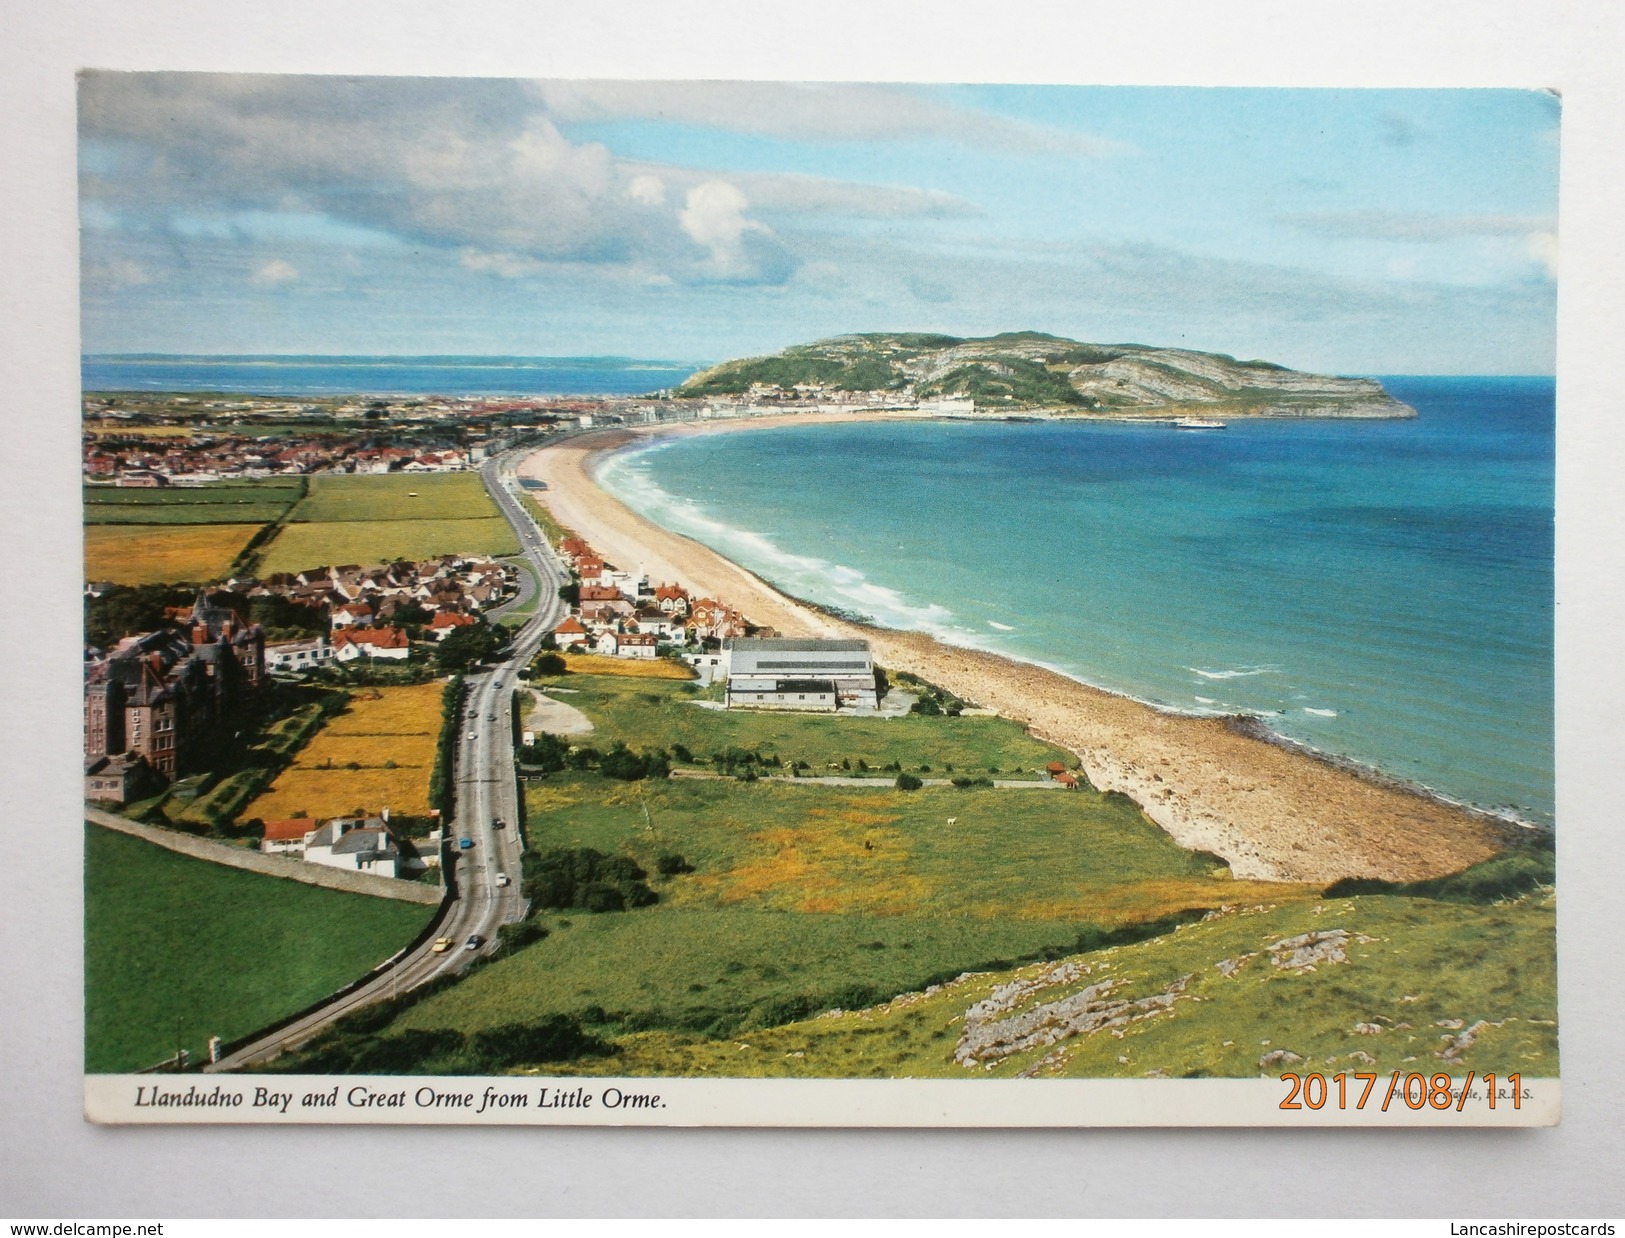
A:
x: 388, y: 644
x: 359, y: 845
x: 298, y: 655
x: 570, y: 634
x: 637, y: 645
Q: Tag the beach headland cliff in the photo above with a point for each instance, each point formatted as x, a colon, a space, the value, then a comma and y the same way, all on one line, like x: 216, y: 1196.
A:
x: 1272, y: 812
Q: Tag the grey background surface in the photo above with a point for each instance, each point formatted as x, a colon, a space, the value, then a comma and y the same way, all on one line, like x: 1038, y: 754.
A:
x: 52, y: 1164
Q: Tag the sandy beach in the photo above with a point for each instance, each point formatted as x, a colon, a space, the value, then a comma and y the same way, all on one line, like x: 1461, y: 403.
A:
x: 1273, y: 813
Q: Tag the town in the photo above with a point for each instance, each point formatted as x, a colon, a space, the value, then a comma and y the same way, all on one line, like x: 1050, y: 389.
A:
x: 138, y: 440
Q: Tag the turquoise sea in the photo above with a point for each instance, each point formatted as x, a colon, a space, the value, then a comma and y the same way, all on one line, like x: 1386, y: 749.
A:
x: 1378, y: 590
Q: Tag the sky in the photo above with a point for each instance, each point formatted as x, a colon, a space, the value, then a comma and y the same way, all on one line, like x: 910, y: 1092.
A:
x: 1341, y: 231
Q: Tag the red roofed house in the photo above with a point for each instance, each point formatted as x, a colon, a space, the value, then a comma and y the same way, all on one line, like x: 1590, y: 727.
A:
x: 570, y: 634
x: 672, y: 599
x: 387, y: 643
x: 287, y: 834
x: 447, y: 621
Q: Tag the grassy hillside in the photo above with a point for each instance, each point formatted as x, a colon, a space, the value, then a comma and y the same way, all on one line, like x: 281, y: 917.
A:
x: 1417, y: 980
x: 178, y: 950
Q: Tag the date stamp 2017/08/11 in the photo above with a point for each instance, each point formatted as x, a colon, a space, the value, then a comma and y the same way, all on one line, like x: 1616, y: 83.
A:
x: 1415, y: 1090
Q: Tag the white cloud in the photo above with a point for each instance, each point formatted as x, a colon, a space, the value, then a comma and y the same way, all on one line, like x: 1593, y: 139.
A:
x: 1380, y: 225
x: 820, y: 112
x: 276, y: 271
x: 116, y: 273
x: 459, y: 167
x: 508, y: 266
x: 647, y: 189
x: 714, y: 216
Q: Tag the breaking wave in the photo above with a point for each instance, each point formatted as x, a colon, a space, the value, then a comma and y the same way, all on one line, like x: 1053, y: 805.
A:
x: 1240, y: 672
x: 805, y: 576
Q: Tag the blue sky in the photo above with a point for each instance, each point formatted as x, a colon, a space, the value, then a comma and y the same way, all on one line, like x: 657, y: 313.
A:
x: 1338, y: 230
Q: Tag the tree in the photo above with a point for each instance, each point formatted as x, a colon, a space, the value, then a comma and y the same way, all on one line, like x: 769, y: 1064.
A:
x: 468, y: 646
x: 548, y: 664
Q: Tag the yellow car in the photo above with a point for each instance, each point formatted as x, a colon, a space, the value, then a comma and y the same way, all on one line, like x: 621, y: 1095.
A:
x: 442, y: 944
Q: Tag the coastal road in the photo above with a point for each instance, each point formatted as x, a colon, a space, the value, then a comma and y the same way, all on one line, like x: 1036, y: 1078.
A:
x: 485, y: 875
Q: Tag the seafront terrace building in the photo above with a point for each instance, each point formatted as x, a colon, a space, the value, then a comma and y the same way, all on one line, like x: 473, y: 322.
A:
x: 779, y: 673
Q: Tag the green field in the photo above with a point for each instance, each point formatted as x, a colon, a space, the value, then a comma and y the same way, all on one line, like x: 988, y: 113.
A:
x: 395, y: 496
x: 377, y: 519
x: 215, y: 503
x: 178, y: 950
x: 658, y: 715
x: 1423, y: 972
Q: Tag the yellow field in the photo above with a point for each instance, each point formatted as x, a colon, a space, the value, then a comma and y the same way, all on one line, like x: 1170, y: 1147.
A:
x: 121, y: 430
x: 629, y: 668
x: 379, y: 725
x: 394, y: 711
x: 301, y: 546
x: 158, y: 554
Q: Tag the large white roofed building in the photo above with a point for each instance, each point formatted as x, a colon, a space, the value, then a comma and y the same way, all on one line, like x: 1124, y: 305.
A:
x: 765, y: 673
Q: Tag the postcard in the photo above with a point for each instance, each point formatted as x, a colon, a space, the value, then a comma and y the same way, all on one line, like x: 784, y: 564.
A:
x: 753, y: 603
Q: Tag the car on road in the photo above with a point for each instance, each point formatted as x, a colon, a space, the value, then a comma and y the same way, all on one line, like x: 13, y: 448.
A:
x: 474, y: 942
x: 464, y: 843
x: 490, y: 717
x: 496, y: 823
x: 502, y: 880
x: 471, y: 737
x: 441, y: 945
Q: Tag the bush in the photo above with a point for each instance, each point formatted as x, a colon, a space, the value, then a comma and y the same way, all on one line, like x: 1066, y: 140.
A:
x: 601, y: 896
x: 467, y: 647
x: 908, y: 782
x: 628, y: 766
x: 556, y: 1038
x: 516, y: 936
x: 670, y: 864
x: 548, y: 664
x: 549, y: 752
x: 565, y: 877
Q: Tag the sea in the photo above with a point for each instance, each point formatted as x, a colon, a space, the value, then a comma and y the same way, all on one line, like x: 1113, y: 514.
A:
x: 1381, y: 591
x: 294, y: 376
